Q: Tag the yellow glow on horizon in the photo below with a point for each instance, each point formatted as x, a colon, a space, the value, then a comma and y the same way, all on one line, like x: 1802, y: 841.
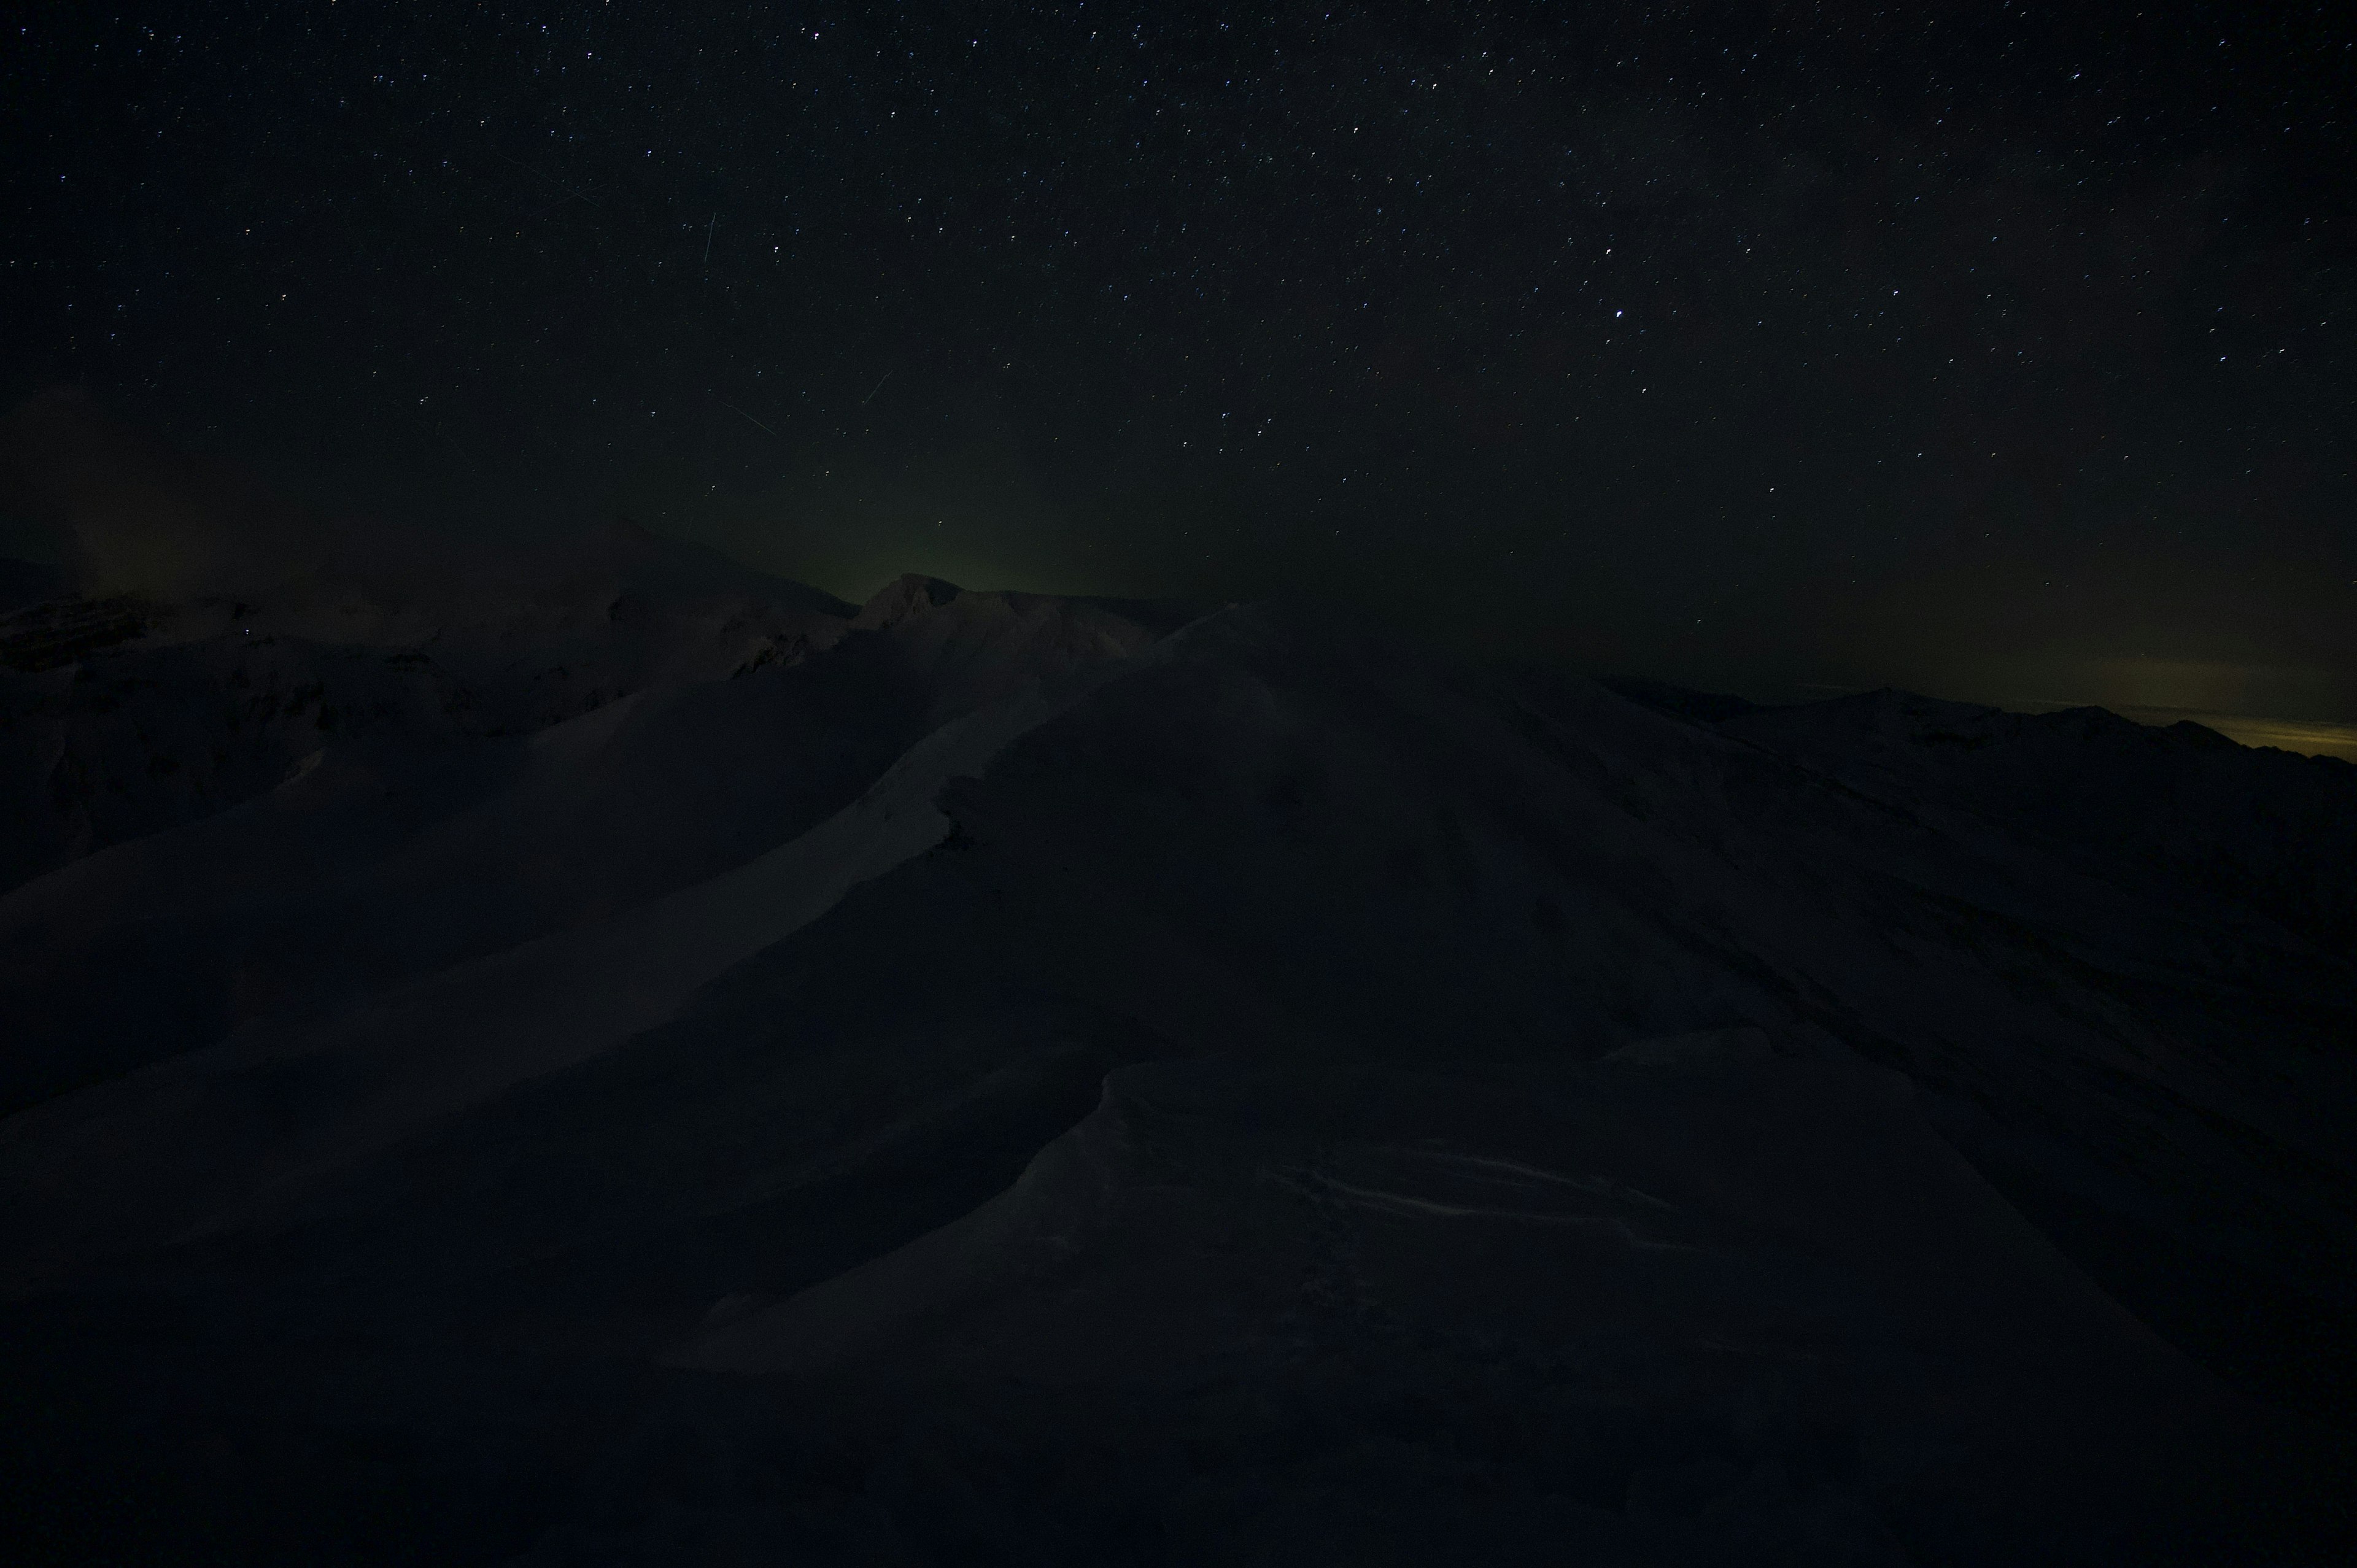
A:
x: 2284, y: 734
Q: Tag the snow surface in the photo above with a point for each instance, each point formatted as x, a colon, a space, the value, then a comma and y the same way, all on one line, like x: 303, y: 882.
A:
x: 986, y: 1077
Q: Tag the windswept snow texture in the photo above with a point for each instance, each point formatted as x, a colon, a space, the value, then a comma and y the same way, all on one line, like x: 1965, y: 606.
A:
x: 675, y: 1069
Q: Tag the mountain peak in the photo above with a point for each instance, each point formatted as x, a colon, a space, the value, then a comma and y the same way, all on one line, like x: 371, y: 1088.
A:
x: 910, y: 594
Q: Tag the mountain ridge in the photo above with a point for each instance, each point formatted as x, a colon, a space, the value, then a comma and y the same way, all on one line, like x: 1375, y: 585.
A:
x: 1205, y: 1076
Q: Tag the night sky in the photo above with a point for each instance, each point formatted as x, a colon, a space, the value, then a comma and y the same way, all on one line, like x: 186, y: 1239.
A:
x: 2001, y: 351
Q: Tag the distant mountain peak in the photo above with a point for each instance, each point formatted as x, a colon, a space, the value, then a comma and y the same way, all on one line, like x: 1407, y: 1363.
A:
x: 910, y: 594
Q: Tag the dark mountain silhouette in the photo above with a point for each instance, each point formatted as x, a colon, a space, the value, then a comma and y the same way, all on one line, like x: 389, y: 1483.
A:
x: 606, y: 1057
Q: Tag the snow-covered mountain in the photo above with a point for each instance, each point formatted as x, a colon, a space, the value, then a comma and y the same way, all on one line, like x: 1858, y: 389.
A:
x: 670, y: 1068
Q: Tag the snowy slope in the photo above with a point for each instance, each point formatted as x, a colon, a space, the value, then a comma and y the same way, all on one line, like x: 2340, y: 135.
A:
x: 388, y: 854
x: 1237, y: 1092
x: 1696, y: 1233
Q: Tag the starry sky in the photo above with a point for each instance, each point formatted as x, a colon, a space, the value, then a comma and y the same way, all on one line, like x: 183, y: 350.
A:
x: 2004, y: 351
